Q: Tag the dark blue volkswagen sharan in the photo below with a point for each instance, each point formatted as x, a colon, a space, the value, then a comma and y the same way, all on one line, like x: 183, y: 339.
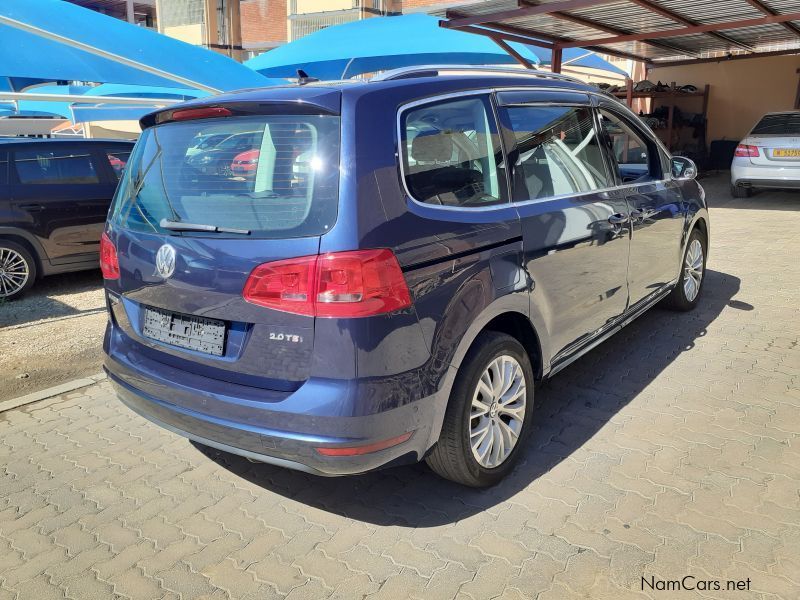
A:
x: 337, y: 277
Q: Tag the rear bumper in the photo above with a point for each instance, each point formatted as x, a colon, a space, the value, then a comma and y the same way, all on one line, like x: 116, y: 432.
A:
x: 744, y: 173
x: 284, y: 432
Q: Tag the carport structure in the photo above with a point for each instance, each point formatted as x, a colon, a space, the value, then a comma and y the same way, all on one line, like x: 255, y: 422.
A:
x: 656, y: 32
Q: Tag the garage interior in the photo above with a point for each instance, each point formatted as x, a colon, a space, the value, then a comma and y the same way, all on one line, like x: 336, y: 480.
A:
x: 713, y: 60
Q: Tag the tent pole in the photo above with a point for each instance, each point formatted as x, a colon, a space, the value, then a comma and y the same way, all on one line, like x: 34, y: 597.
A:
x: 104, y: 54
x: 34, y: 97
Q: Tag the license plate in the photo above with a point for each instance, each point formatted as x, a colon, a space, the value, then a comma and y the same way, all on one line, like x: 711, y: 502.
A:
x: 786, y: 153
x: 185, y: 331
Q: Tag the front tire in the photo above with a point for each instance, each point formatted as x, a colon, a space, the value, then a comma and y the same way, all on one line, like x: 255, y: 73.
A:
x: 686, y: 294
x: 488, y: 416
x: 17, y: 270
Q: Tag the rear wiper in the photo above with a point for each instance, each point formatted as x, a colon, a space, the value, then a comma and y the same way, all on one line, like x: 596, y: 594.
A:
x: 182, y: 226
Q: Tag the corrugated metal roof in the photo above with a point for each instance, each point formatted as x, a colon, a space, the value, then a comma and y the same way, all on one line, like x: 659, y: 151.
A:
x: 607, y: 18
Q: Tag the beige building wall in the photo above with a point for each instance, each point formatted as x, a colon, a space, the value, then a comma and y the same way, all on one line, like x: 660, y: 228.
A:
x: 741, y: 90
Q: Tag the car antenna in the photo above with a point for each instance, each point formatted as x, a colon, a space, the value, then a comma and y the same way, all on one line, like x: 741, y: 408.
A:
x: 304, y: 78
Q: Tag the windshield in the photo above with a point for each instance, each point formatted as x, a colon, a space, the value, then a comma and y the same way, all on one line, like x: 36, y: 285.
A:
x: 782, y: 124
x: 275, y: 176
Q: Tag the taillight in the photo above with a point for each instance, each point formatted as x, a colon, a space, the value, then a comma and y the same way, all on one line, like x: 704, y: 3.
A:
x: 746, y: 151
x: 359, y: 283
x: 206, y: 112
x: 286, y: 285
x: 109, y: 263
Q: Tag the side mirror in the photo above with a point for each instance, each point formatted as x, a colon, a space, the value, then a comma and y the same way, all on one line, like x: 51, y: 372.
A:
x: 683, y: 169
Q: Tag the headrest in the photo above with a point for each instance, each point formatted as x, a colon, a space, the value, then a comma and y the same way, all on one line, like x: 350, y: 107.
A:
x: 432, y: 146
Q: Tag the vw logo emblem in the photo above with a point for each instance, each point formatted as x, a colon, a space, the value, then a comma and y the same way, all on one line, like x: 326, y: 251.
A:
x: 165, y: 261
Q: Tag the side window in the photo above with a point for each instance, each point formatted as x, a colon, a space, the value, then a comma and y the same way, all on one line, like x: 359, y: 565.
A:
x: 558, y: 151
x: 56, y: 166
x: 118, y: 159
x: 452, y: 154
x: 637, y: 158
x: 3, y: 168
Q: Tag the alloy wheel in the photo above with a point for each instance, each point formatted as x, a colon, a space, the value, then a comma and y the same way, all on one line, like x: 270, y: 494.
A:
x: 14, y: 272
x: 693, y: 270
x: 497, y: 412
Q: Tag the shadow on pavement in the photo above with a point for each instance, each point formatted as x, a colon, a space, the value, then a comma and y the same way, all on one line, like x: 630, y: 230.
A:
x: 39, y: 302
x: 571, y: 408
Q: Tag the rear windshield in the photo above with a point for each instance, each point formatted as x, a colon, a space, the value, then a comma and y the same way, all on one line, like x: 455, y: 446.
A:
x: 786, y: 124
x: 275, y: 176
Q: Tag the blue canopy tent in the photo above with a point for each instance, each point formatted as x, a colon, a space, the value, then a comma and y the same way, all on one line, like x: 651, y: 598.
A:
x: 383, y: 43
x: 53, y: 40
x: 578, y: 57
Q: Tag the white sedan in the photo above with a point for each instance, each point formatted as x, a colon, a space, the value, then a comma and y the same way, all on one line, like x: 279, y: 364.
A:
x: 769, y: 157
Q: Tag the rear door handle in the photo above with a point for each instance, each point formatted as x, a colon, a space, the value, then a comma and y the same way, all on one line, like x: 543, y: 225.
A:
x: 619, y: 219
x: 32, y: 207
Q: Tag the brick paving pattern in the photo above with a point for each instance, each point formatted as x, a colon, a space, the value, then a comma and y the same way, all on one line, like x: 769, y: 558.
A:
x: 671, y: 450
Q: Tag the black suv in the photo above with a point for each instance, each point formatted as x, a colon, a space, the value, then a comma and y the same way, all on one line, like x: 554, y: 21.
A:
x: 54, y: 197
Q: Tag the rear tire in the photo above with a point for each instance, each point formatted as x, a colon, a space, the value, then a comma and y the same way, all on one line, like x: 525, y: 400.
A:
x: 489, y: 411
x: 17, y: 270
x: 687, y: 292
x: 739, y: 191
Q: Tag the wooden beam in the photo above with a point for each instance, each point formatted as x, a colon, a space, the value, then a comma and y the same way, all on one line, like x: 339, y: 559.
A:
x: 457, y: 20
x: 668, y: 14
x: 507, y: 36
x: 722, y: 59
x: 556, y: 60
x: 514, y: 54
x: 666, y: 33
x: 757, y: 4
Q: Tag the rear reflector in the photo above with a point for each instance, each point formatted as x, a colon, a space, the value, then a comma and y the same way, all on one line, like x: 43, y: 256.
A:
x: 358, y: 450
x: 207, y: 112
x: 746, y: 151
x: 109, y: 263
x: 360, y: 283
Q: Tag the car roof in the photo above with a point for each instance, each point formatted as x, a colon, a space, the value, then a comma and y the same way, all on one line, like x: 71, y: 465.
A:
x: 328, y: 94
x: 27, y: 140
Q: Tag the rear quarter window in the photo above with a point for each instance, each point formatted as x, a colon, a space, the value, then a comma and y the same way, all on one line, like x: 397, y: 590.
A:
x: 452, y: 154
x: 55, y: 166
x: 272, y: 175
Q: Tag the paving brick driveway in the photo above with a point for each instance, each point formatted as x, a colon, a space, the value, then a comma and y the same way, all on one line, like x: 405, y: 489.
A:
x: 671, y: 450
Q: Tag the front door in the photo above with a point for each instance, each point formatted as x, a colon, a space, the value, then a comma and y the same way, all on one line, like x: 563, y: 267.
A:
x: 574, y: 229
x: 657, y: 211
x: 61, y: 194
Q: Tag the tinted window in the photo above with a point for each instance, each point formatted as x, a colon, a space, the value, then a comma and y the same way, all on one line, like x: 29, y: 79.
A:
x: 3, y: 167
x: 118, y: 159
x: 452, y: 154
x: 55, y: 166
x: 784, y: 124
x: 636, y: 157
x: 274, y: 175
x: 558, y: 151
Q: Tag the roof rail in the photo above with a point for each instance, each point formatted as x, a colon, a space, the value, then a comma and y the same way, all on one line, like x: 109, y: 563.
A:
x: 434, y: 70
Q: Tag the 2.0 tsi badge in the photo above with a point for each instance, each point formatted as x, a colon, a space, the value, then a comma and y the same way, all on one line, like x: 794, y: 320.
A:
x: 165, y: 261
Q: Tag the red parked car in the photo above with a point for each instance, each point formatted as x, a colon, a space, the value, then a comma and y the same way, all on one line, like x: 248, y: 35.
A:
x: 245, y: 163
